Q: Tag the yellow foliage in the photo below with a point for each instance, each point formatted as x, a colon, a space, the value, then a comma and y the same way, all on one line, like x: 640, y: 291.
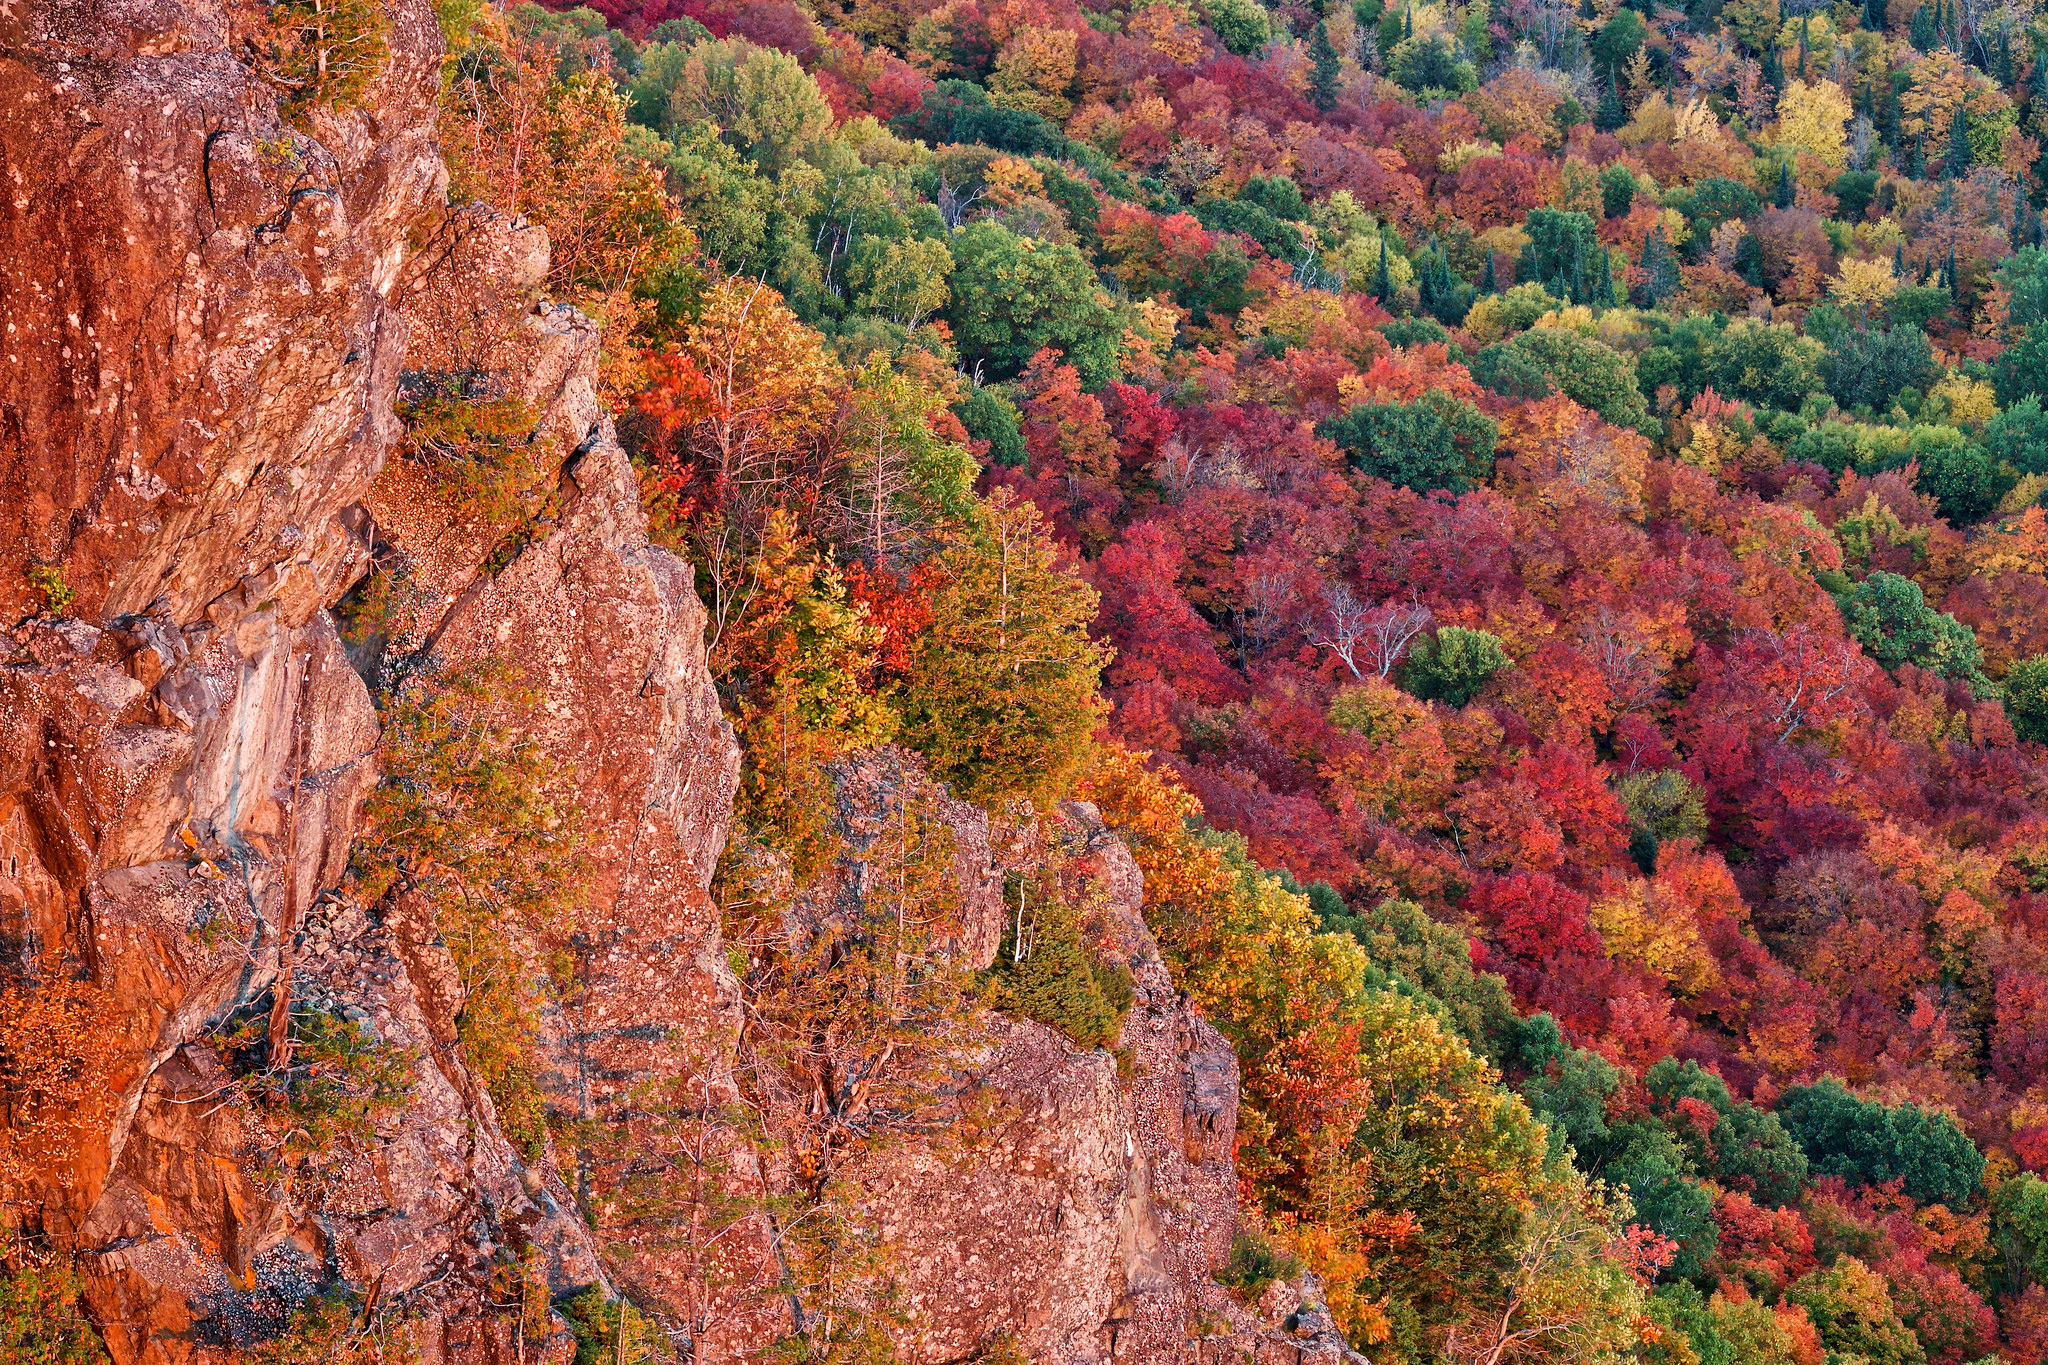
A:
x: 1638, y: 925
x: 1971, y: 402
x: 1814, y: 117
x: 1861, y: 283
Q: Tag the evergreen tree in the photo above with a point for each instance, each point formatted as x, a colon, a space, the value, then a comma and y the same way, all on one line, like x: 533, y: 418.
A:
x: 1899, y: 261
x: 2001, y: 59
x: 1407, y: 24
x: 1382, y: 278
x: 1578, y: 286
x: 1916, y: 162
x: 1323, y: 85
x: 1774, y: 70
x: 1873, y: 15
x: 1948, y: 272
x: 1611, y: 113
x: 1487, y: 283
x: 1805, y: 46
x: 1921, y: 35
x: 1959, y: 158
x: 1606, y: 287
x: 1660, y: 268
x: 1788, y: 192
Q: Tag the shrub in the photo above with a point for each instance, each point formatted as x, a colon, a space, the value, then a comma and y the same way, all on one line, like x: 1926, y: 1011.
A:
x: 39, y: 1319
x: 326, y: 52
x: 1043, y: 972
x: 48, y: 582
x: 328, y: 1098
x: 611, y: 1331
x: 56, y: 1056
x: 1253, y: 1264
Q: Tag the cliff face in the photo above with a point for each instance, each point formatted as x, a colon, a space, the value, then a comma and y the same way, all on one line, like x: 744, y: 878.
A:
x: 208, y: 316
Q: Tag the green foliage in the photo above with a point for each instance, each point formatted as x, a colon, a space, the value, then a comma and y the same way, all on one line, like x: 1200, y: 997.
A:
x: 990, y: 416
x: 1240, y: 25
x: 960, y: 112
x: 469, y: 816
x: 1961, y: 475
x: 1254, y: 1264
x: 1439, y: 441
x: 1013, y: 296
x: 1617, y: 189
x: 47, y: 581
x: 1325, y: 69
x: 1561, y: 243
x: 1747, y: 1148
x: 1671, y: 1203
x: 1510, y: 372
x: 1866, y: 367
x: 1043, y: 972
x: 611, y: 1331
x: 2019, y: 1220
x: 2018, y: 436
x: 1591, y: 374
x: 1001, y: 689
x: 1868, y: 1144
x: 39, y: 1319
x: 2026, y: 698
x: 1888, y: 615
x: 329, y: 1096
x: 477, y: 448
x: 1854, y: 190
x: 1453, y: 663
x: 1415, y: 956
x: 1568, y: 1087
x: 1431, y: 62
x: 1618, y: 40
x: 1662, y: 805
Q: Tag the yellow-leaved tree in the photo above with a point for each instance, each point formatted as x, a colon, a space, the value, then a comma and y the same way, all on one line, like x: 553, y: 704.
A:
x: 1813, y: 117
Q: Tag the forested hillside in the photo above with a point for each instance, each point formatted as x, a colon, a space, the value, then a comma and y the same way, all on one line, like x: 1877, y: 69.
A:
x: 1553, y: 494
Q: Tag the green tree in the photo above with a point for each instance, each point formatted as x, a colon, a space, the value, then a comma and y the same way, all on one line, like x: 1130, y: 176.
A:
x: 1436, y: 442
x: 1746, y: 1149
x: 2019, y: 436
x: 1000, y: 694
x: 2017, y: 371
x: 989, y: 416
x: 1888, y: 615
x: 1043, y: 972
x: 1453, y: 663
x: 1867, y: 366
x: 1660, y: 268
x: 1672, y: 1204
x: 39, y: 1319
x: 1430, y: 962
x: 2026, y: 698
x: 1957, y: 162
x: 1617, y: 191
x: 1868, y: 1144
x: 1240, y: 25
x: 1590, y: 373
x: 1765, y: 363
x: 1957, y: 472
x: 1325, y: 80
x: 1013, y: 297
x: 2019, y: 1221
x: 760, y: 99
x: 1618, y: 40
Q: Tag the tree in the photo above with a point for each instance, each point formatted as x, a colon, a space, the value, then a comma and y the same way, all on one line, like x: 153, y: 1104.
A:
x: 1000, y: 692
x: 1787, y: 192
x: 990, y: 417
x: 2026, y: 699
x: 1013, y: 297
x: 1590, y: 373
x: 1813, y: 118
x: 1240, y: 25
x: 1853, y: 1311
x: 2018, y: 436
x: 1959, y: 159
x: 1869, y: 1144
x: 1366, y: 640
x: 1960, y: 474
x: 761, y: 100
x: 1659, y: 267
x: 1451, y: 665
x: 1437, y: 442
x: 1866, y: 367
x: 1888, y: 615
x: 1324, y: 83
x: 903, y: 483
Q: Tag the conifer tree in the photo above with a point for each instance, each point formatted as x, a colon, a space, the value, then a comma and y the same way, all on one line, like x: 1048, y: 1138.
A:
x: 1959, y: 158
x: 1774, y: 70
x: 1787, y: 192
x: 1874, y: 15
x: 1921, y: 35
x: 1382, y: 278
x: 1611, y: 113
x: 1323, y: 86
x: 1660, y: 268
x: 1487, y: 283
x: 1606, y: 295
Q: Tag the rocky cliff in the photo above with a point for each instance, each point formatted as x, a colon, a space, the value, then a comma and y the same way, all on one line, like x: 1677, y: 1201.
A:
x: 209, y: 314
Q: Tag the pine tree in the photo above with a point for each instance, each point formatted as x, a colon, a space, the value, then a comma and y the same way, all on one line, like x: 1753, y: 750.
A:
x: 1899, y: 261
x: 1874, y: 15
x: 1805, y: 46
x: 1407, y: 24
x: 1774, y: 70
x: 1578, y: 287
x: 1921, y: 35
x: 1948, y: 271
x: 1606, y: 297
x: 1382, y: 278
x: 1788, y: 193
x: 1487, y: 283
x: 2001, y: 59
x: 1526, y: 269
x: 1611, y: 113
x: 1660, y: 268
x: 1323, y: 86
x: 1916, y: 163
x: 1959, y: 158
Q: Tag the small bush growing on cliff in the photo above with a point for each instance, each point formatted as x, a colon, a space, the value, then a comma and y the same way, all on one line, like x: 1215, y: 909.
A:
x: 339, y: 1084
x: 1253, y: 1264
x: 39, y: 1319
x: 477, y: 444
x: 1044, y: 972
x: 331, y: 1328
x: 48, y: 582
x: 468, y: 816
